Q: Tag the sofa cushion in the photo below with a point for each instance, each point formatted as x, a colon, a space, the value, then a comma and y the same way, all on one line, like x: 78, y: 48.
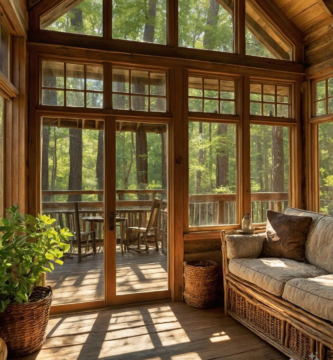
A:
x: 319, y: 248
x: 271, y: 274
x: 286, y: 236
x: 313, y: 295
x: 244, y: 246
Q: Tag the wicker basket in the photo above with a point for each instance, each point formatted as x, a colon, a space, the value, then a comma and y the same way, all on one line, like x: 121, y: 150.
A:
x: 23, y: 326
x: 201, y: 278
x: 3, y: 350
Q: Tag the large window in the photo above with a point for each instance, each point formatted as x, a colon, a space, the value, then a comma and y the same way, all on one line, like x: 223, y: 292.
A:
x: 206, y: 24
x: 140, y: 20
x: 85, y: 18
x: 270, y: 161
x: 210, y: 95
x: 323, y: 97
x: 74, y: 85
x: 4, y: 50
x: 139, y: 90
x: 212, y: 174
x: 271, y: 100
x: 2, y: 112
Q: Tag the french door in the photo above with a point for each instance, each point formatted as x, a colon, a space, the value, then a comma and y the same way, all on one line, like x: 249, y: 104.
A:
x: 113, y: 176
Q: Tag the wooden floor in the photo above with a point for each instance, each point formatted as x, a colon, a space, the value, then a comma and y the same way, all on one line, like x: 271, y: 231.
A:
x: 76, y: 283
x: 166, y: 331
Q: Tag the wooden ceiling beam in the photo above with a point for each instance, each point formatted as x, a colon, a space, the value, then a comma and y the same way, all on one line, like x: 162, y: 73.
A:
x: 327, y: 5
x: 32, y: 3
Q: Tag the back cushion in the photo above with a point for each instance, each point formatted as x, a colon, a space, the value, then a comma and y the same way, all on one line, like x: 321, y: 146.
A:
x: 319, y: 249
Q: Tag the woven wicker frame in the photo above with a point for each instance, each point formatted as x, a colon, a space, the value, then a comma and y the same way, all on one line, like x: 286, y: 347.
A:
x: 23, y: 326
x: 295, y: 332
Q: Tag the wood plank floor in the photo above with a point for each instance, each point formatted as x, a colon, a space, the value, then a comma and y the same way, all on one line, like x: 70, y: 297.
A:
x: 76, y: 283
x: 164, y: 331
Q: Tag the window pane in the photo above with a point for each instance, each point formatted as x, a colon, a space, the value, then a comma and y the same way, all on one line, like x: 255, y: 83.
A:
x: 158, y: 104
x: 53, y: 74
x: 4, y: 50
x: 94, y: 76
x: 94, y: 100
x: 330, y: 105
x: 120, y: 80
x: 2, y: 113
x: 256, y: 92
x: 138, y: 20
x: 120, y: 102
x: 269, y: 93
x: 75, y: 76
x: 53, y: 97
x: 195, y: 105
x: 269, y: 110
x: 283, y: 94
x: 227, y: 89
x: 211, y: 106
x: 139, y: 103
x: 139, y: 81
x: 330, y: 87
x: 85, y: 18
x: 195, y: 86
x: 206, y: 24
x: 211, y: 88
x: 255, y: 108
x: 228, y: 107
x: 321, y: 90
x: 321, y: 108
x: 326, y: 167
x: 75, y: 98
x: 262, y: 39
x: 269, y: 169
x: 283, y: 111
x: 157, y: 84
x: 212, y: 174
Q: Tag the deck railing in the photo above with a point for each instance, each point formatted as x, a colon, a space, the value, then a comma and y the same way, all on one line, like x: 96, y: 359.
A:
x: 204, y: 209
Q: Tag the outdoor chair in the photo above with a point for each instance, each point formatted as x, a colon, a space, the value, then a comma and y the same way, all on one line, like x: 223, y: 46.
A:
x: 145, y: 233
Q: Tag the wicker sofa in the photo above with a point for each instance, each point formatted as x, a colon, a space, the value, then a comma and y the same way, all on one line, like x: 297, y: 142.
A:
x: 287, y: 303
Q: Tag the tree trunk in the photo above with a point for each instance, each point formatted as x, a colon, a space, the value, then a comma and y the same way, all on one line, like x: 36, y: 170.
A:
x: 76, y: 18
x: 45, y: 162
x: 211, y: 23
x: 259, y: 164
x: 200, y: 161
x: 55, y: 162
x: 222, y: 158
x: 142, y: 162
x: 149, y: 31
x: 277, y: 159
x: 75, y: 163
x: 100, y: 164
x: 164, y: 161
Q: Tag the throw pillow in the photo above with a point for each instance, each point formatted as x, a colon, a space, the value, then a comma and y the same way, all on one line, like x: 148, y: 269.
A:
x: 286, y: 236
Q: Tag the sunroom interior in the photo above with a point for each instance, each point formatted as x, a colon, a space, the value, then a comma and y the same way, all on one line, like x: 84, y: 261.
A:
x: 156, y: 132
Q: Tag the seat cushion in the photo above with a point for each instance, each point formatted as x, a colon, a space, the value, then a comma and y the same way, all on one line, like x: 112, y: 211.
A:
x: 286, y: 236
x: 271, y: 274
x: 313, y: 295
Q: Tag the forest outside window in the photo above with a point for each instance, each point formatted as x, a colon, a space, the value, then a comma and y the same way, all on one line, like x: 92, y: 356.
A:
x: 85, y: 18
x: 261, y: 38
x: 206, y: 24
x: 209, y: 95
x: 73, y: 85
x: 4, y: 50
x: 270, y: 169
x: 139, y: 90
x: 2, y: 115
x: 212, y: 174
x: 270, y: 100
x: 323, y: 97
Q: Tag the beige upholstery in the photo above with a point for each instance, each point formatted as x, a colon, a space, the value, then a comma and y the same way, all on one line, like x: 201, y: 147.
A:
x: 313, y: 295
x: 319, y: 248
x: 244, y: 246
x: 271, y: 274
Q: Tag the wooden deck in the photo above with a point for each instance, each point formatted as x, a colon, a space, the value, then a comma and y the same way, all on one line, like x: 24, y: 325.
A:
x: 77, y: 283
x: 166, y: 331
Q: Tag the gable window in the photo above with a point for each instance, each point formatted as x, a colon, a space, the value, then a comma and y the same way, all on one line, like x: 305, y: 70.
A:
x: 323, y: 97
x: 139, y: 20
x: 261, y: 38
x: 206, y: 24
x: 85, y: 18
x: 211, y: 95
x: 270, y: 100
x: 74, y: 85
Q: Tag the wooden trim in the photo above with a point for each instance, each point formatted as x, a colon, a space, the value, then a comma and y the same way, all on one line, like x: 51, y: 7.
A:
x: 239, y: 26
x: 70, y: 308
x: 15, y: 17
x: 141, y: 297
x: 7, y: 89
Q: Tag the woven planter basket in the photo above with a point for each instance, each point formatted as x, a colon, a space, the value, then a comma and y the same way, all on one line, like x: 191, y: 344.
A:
x: 201, y: 278
x: 23, y: 326
x: 3, y: 350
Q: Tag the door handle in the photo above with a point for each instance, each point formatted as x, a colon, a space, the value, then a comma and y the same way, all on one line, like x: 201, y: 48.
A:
x: 112, y: 221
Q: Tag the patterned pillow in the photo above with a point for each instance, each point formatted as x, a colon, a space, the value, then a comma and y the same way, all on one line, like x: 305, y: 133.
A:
x: 286, y: 236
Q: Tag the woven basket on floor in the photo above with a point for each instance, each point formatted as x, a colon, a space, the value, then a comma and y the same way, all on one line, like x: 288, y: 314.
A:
x: 23, y: 326
x: 200, y: 283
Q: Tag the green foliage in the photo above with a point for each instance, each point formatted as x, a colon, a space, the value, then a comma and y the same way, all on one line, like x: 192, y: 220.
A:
x: 254, y: 47
x: 29, y: 248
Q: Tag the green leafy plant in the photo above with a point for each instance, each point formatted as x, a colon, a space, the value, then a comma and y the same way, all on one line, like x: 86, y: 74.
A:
x: 29, y: 248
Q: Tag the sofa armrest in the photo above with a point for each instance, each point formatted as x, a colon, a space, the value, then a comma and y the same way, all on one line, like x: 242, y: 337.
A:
x: 244, y: 246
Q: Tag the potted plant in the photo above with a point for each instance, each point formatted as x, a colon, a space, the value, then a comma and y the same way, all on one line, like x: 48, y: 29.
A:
x: 29, y: 248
